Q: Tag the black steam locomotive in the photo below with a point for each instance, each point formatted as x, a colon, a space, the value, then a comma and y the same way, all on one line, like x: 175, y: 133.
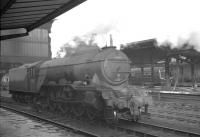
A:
x: 92, y: 82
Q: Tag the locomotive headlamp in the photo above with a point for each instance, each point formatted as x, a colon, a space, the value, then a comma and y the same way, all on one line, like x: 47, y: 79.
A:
x: 115, y: 113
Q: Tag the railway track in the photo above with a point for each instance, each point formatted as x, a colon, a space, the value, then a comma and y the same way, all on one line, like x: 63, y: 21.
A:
x: 194, y: 122
x: 176, y: 97
x: 52, y: 121
x: 123, y: 129
x: 176, y: 113
x: 187, y: 118
x: 147, y: 129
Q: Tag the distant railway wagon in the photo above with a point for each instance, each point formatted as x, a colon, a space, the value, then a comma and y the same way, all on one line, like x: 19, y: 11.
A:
x: 180, y: 74
x: 92, y: 82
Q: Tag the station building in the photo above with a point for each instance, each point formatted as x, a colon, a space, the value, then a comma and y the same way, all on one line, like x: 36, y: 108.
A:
x: 28, y: 49
x: 155, y: 65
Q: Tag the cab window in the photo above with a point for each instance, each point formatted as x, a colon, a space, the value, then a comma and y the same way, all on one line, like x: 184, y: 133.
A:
x: 31, y: 72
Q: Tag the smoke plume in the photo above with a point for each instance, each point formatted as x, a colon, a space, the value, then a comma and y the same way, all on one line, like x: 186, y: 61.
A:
x: 189, y: 41
x: 77, y: 44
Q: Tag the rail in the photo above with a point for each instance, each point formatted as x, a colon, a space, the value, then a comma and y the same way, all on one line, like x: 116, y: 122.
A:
x: 70, y: 127
x: 175, y: 96
x: 144, y: 129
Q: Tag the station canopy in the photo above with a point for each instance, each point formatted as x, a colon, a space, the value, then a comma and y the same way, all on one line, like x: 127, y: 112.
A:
x: 18, y: 17
x: 148, y: 52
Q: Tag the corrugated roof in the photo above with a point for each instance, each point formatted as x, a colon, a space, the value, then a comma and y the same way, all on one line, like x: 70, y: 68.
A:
x: 30, y: 14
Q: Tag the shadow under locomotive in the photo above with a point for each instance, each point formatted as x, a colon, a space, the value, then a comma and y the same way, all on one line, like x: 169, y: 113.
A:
x: 92, y: 82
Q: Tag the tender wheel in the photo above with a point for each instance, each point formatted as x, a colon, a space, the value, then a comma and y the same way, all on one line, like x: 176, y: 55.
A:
x: 14, y: 96
x: 44, y: 103
x: 41, y: 103
x: 137, y: 116
x: 52, y: 106
x: 36, y: 103
x: 78, y: 109
x: 91, y: 113
x: 17, y: 98
x: 20, y: 99
x: 63, y: 108
x: 28, y: 99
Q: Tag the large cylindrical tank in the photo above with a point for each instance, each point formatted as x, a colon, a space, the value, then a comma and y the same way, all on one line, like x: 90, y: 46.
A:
x: 107, y: 66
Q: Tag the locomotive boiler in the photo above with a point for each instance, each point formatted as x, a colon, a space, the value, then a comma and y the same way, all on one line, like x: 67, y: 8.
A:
x: 92, y: 82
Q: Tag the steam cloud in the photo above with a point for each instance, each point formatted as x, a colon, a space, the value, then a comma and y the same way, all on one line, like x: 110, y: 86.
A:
x: 77, y: 44
x: 189, y: 41
x: 96, y: 37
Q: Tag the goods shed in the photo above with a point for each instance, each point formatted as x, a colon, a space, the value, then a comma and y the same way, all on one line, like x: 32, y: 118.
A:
x: 161, y: 65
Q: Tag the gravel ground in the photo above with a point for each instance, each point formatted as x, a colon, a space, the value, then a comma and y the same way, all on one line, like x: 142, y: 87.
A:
x: 178, y: 112
x: 14, y: 125
x: 184, y: 113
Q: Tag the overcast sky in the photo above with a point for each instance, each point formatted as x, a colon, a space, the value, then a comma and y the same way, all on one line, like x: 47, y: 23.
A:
x: 129, y: 21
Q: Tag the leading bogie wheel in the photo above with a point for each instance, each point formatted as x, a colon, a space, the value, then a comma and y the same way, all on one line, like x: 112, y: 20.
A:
x: 111, y: 116
x: 78, y: 109
x: 91, y: 112
x: 52, y: 106
x: 63, y: 108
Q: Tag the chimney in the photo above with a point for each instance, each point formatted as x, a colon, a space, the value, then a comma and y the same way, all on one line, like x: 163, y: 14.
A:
x: 111, y: 41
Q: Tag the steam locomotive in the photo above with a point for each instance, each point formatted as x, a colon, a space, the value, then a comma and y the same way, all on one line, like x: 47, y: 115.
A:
x: 91, y: 82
